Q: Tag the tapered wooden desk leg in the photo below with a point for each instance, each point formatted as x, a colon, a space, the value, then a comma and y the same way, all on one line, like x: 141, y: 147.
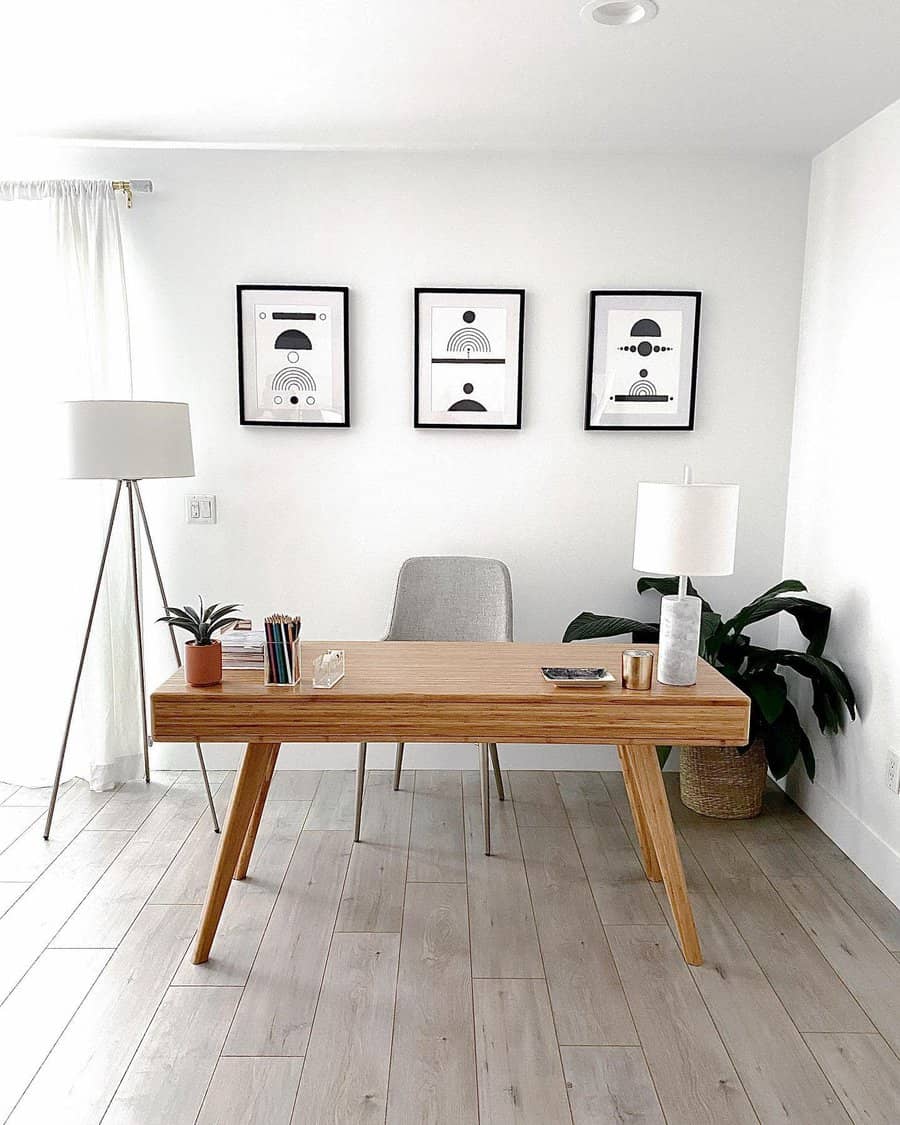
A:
x: 250, y: 780
x: 648, y: 781
x: 240, y: 872
x: 648, y: 852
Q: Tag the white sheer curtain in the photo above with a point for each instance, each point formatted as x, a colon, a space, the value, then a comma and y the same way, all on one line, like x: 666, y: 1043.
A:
x: 63, y: 335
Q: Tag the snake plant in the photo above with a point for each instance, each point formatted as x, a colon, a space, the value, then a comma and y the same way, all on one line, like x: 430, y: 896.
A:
x: 201, y: 625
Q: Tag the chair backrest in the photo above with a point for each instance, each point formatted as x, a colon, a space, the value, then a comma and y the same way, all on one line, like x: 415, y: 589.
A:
x: 452, y: 598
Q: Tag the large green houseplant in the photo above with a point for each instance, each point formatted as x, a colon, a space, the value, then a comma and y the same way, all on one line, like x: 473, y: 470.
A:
x: 775, y: 726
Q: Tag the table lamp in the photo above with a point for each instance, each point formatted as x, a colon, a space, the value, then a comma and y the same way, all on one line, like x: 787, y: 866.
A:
x: 684, y: 529
x: 126, y: 441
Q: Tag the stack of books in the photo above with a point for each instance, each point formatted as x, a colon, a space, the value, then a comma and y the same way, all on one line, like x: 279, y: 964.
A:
x: 243, y: 648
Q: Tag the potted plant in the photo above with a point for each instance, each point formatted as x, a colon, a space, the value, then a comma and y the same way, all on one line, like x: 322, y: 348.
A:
x: 727, y: 782
x: 202, y: 655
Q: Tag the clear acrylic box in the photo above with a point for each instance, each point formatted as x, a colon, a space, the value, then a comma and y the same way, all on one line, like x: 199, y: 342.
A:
x: 328, y: 668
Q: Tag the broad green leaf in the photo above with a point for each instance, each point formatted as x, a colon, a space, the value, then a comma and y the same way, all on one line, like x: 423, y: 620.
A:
x: 709, y: 624
x: 591, y: 626
x: 783, y: 740
x: 768, y: 692
x: 732, y: 653
x: 666, y: 586
x: 789, y: 585
x: 813, y: 618
x: 663, y: 752
x: 832, y: 691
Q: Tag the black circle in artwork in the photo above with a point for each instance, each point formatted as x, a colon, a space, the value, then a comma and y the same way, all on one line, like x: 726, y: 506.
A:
x: 468, y: 316
x: 643, y: 373
x: 294, y: 400
x: 468, y: 388
x: 645, y: 348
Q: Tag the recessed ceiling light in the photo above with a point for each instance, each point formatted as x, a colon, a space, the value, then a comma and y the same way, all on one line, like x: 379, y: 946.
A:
x: 618, y: 13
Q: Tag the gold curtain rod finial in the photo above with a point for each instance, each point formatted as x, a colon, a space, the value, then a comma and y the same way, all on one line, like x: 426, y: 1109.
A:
x: 129, y: 187
x: 124, y: 186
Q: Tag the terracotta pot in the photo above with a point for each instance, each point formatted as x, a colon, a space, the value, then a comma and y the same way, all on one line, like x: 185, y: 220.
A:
x: 202, y: 664
x: 718, y: 781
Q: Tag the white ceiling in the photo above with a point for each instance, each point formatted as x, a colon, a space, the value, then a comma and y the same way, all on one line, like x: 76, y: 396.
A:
x: 752, y: 75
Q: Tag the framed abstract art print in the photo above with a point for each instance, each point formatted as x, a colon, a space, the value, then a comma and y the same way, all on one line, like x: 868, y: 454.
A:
x: 642, y: 360
x: 293, y: 355
x: 468, y: 358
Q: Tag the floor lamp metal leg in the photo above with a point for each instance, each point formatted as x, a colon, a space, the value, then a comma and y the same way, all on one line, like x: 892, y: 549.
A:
x: 87, y: 636
x: 135, y: 583
x: 175, y: 649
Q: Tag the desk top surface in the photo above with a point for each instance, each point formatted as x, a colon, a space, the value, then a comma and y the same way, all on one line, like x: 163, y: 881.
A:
x: 434, y: 691
x: 434, y: 670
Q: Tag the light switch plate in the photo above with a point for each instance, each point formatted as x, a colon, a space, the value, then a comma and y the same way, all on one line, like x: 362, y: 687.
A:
x: 892, y: 771
x: 200, y: 509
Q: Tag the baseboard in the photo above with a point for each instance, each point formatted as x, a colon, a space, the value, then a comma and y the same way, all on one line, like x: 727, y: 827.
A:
x: 872, y: 855
x: 426, y: 756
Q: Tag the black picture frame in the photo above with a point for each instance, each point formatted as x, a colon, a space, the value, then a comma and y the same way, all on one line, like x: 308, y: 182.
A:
x: 344, y: 291
x: 520, y: 351
x: 682, y: 294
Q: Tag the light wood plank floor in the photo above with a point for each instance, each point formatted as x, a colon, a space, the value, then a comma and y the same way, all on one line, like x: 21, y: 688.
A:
x: 409, y: 979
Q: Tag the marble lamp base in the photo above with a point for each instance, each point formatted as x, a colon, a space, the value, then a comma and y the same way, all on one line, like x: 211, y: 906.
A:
x: 679, y: 640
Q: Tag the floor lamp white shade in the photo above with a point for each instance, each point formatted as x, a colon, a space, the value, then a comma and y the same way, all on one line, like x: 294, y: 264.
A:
x: 125, y: 439
x: 684, y: 529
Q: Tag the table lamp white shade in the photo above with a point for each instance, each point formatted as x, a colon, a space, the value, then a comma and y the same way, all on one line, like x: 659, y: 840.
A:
x: 125, y: 439
x: 686, y: 528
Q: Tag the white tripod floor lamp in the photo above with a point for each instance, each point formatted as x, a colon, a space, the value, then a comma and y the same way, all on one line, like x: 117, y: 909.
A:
x: 126, y: 441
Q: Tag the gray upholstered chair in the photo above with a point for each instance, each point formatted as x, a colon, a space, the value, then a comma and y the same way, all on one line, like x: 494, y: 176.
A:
x: 449, y: 598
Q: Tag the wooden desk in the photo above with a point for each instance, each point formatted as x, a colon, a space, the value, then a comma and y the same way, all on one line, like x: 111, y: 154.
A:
x: 396, y: 691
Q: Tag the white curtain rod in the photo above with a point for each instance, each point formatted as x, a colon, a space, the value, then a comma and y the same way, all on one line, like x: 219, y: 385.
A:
x: 129, y: 187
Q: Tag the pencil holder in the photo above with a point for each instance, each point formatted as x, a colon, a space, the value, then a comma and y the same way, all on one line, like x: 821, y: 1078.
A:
x: 281, y: 663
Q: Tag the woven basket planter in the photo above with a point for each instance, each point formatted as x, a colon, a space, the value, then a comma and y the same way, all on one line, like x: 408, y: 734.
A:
x: 718, y: 781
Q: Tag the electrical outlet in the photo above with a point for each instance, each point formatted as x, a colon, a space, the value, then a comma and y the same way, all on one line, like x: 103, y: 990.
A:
x: 200, y: 509
x: 892, y: 771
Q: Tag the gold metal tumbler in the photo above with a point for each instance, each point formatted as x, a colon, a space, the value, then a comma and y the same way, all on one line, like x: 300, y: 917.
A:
x: 637, y: 669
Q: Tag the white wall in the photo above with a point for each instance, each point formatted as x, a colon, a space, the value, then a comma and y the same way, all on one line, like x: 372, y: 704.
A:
x: 842, y: 514
x: 319, y: 521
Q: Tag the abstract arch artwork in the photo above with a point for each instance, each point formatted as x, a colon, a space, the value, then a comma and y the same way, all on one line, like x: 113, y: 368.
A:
x: 292, y: 376
x: 642, y: 360
x: 468, y: 358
